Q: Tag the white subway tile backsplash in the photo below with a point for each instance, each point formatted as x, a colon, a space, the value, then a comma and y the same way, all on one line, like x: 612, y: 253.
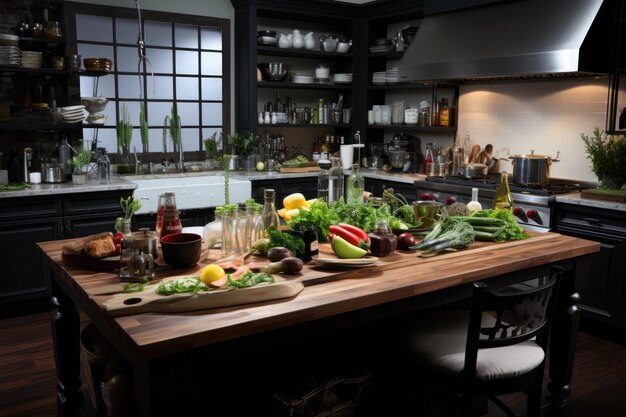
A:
x: 544, y: 116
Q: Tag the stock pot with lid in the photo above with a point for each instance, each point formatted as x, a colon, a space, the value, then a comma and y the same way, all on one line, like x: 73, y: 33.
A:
x: 532, y: 169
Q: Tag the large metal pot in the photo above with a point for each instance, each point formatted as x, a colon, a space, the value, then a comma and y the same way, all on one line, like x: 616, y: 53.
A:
x: 473, y: 170
x: 531, y: 169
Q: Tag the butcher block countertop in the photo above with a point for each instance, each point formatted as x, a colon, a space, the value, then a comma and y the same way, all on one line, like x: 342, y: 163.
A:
x: 326, y: 292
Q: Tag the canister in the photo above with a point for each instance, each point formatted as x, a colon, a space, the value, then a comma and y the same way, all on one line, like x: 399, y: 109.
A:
x: 144, y: 240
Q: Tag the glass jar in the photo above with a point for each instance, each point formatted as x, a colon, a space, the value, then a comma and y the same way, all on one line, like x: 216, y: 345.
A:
x: 168, y: 220
x: 322, y: 179
x: 383, y: 241
x: 335, y: 181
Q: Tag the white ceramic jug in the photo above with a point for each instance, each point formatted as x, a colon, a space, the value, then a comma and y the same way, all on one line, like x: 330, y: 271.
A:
x: 284, y: 41
x: 297, y: 40
x: 309, y: 41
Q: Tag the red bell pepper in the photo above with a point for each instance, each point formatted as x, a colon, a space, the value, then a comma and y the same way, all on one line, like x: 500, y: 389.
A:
x: 357, y: 231
x: 348, y: 236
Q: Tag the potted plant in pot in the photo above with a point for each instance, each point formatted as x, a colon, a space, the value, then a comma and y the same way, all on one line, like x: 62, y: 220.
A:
x: 608, y: 158
x: 124, y: 130
x: 211, y: 149
x: 78, y: 164
x: 245, y: 145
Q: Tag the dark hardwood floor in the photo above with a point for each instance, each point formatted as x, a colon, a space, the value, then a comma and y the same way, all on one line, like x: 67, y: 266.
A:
x: 27, y: 373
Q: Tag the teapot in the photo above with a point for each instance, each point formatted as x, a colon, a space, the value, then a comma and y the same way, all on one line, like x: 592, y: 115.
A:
x: 297, y: 39
x: 309, y: 41
x: 285, y: 41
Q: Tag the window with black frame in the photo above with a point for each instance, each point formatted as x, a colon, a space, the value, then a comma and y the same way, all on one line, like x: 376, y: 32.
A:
x: 186, y: 65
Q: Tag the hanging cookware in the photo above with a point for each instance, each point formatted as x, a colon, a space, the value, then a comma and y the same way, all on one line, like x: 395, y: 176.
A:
x: 532, y: 169
x: 473, y: 170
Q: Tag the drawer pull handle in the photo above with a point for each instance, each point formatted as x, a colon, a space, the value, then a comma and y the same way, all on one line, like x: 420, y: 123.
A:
x: 591, y: 220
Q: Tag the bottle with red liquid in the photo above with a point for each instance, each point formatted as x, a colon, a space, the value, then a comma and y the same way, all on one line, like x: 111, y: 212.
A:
x: 168, y: 221
x: 428, y: 158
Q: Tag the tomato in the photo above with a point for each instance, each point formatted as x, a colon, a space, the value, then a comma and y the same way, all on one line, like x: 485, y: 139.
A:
x: 405, y: 240
x: 118, y: 248
x: 117, y: 239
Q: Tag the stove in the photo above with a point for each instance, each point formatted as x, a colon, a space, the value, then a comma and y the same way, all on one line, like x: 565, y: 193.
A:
x: 532, y: 203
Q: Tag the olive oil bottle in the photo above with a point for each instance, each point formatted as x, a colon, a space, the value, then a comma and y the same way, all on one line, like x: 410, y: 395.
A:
x: 503, y: 199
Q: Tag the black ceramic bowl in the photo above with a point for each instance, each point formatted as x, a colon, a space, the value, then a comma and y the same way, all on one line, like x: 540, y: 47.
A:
x: 181, y: 250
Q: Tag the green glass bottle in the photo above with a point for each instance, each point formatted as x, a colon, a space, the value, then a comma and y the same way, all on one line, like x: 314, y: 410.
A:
x: 503, y: 199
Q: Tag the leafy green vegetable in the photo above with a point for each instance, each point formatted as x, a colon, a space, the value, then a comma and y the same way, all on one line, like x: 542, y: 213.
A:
x: 455, y: 234
x: 512, y: 231
x: 249, y: 279
x: 319, y: 216
x: 357, y: 214
x: 182, y: 285
x: 134, y: 287
x: 252, y: 205
x: 286, y: 240
x: 14, y: 186
x: 130, y: 206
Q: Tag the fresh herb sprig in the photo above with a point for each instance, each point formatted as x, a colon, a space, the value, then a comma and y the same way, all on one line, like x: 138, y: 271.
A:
x: 286, y: 240
x: 130, y: 206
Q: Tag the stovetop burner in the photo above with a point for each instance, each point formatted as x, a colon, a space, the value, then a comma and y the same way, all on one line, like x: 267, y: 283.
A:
x: 491, y: 182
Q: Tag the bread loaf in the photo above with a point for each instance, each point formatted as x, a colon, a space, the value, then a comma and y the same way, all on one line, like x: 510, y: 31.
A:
x: 94, y: 246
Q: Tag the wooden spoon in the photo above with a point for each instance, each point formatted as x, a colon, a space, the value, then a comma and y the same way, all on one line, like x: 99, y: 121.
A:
x: 474, y: 153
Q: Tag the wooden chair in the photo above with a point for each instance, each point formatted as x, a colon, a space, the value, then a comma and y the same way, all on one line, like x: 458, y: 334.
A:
x: 497, y: 347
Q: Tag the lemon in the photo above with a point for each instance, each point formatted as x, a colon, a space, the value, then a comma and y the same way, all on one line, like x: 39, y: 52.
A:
x: 212, y: 272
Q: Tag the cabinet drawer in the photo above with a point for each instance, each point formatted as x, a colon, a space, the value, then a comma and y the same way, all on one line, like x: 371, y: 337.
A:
x: 12, y: 209
x: 593, y: 219
x: 98, y: 202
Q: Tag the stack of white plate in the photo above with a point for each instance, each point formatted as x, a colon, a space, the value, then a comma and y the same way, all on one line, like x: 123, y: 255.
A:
x: 10, y: 55
x: 391, y: 75
x: 73, y: 114
x: 9, y: 40
x: 300, y: 78
x: 342, y: 78
x: 381, y: 45
x: 379, y: 77
x: 31, y: 59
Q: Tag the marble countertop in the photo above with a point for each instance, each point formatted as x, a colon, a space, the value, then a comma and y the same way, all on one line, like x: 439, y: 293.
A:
x: 576, y: 199
x: 122, y: 183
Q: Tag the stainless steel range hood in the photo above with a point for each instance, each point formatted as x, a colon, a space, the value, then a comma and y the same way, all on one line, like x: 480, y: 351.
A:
x: 513, y: 39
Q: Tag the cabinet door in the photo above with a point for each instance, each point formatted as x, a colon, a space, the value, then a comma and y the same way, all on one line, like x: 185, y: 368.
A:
x: 258, y: 188
x: 603, y: 296
x: 22, y: 265
x: 78, y: 226
x: 305, y: 186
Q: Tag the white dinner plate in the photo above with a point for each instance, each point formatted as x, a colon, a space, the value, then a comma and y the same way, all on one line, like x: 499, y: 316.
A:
x: 72, y: 108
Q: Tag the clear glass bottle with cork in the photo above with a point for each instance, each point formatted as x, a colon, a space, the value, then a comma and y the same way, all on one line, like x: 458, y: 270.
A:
x: 355, y: 186
x: 269, y: 215
x: 335, y: 181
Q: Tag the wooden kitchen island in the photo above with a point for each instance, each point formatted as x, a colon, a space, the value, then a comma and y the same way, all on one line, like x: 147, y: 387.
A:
x: 190, y: 363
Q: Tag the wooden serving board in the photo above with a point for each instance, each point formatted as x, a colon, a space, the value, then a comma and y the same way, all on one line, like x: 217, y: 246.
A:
x: 110, y: 263
x: 149, y: 301
x: 599, y: 195
x: 286, y: 170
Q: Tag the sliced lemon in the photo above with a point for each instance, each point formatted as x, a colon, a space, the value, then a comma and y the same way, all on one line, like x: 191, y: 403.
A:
x: 212, y: 272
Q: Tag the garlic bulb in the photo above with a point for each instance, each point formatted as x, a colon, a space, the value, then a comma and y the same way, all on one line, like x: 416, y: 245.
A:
x: 474, y: 205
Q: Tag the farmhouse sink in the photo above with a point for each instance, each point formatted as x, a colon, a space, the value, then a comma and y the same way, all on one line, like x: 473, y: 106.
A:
x: 192, y: 192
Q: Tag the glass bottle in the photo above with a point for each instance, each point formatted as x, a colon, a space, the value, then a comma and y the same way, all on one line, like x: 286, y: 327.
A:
x: 168, y: 220
x: 104, y: 166
x: 383, y: 241
x: 65, y: 154
x: 355, y: 186
x: 444, y: 113
x: 269, y: 215
x: 467, y: 148
x: 335, y: 181
x: 322, y: 179
x: 428, y: 158
x: 457, y: 156
x: 503, y: 199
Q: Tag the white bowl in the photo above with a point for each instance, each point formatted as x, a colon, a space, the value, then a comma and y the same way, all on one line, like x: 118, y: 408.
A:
x: 94, y: 104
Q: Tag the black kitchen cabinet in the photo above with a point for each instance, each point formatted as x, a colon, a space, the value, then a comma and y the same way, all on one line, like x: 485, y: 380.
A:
x: 377, y: 186
x: 28, y: 220
x: 603, y: 297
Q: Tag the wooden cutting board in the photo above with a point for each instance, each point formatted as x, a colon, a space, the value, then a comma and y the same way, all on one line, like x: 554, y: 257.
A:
x: 597, y: 195
x: 149, y: 301
x: 285, y: 170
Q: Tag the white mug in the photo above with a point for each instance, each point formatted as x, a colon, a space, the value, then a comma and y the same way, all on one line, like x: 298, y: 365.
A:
x: 35, y: 177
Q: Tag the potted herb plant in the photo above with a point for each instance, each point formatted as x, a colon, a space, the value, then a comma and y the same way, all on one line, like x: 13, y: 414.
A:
x: 211, y: 149
x: 607, y: 154
x: 124, y: 130
x: 245, y: 145
x: 78, y: 164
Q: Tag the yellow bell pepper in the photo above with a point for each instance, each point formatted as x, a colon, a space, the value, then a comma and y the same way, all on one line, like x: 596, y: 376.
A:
x: 293, y: 201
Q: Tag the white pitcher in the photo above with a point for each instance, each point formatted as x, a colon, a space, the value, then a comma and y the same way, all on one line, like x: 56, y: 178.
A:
x: 297, y: 40
x: 309, y: 41
x: 285, y: 41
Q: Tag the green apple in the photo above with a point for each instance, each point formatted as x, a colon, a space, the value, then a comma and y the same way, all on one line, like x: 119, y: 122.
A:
x: 260, y: 166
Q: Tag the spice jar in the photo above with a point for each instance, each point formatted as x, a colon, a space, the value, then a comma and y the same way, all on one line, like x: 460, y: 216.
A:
x: 383, y: 241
